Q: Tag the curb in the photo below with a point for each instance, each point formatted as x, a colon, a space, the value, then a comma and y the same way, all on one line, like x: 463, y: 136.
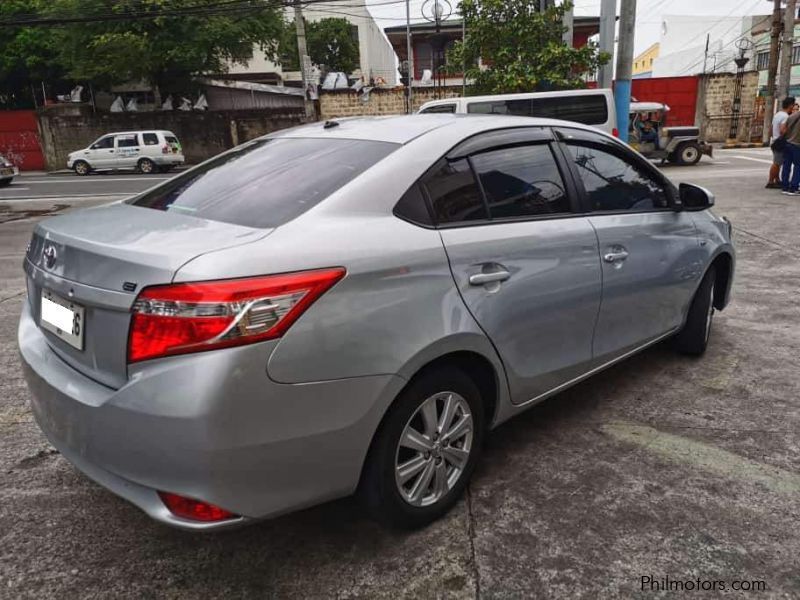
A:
x: 733, y: 146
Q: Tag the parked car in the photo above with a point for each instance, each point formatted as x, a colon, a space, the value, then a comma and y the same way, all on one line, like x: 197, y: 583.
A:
x: 7, y: 171
x: 590, y: 107
x: 143, y: 151
x: 353, y: 306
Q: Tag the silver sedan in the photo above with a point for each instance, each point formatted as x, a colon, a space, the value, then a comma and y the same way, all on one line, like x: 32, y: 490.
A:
x: 351, y: 306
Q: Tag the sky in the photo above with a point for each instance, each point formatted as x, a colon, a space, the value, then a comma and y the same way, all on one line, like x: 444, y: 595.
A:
x: 648, y: 12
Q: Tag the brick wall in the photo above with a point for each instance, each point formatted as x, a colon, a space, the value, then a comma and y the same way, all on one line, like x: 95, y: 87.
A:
x: 346, y: 103
x: 715, y: 105
x: 67, y: 128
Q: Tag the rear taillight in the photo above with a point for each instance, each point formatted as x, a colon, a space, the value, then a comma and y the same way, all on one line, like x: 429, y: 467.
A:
x: 194, y: 510
x: 193, y: 317
x: 615, y: 132
x: 165, y: 149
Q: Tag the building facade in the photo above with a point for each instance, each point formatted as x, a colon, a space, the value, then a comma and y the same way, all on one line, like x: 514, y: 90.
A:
x: 643, y: 64
x: 430, y: 45
x: 377, y: 59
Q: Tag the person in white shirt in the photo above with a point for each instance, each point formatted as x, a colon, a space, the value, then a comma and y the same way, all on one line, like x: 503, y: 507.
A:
x: 777, y: 155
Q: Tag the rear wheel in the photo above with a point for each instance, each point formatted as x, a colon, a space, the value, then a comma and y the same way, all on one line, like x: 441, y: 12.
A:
x: 693, y: 338
x: 688, y: 153
x: 146, y: 166
x: 81, y: 167
x: 426, y: 449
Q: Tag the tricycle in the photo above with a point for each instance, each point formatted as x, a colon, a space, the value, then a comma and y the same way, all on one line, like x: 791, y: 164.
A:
x: 648, y: 133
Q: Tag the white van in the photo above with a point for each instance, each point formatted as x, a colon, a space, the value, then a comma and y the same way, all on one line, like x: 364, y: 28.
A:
x: 145, y: 151
x: 590, y: 107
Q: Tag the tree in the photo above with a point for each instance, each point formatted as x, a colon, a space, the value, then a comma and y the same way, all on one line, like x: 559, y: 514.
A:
x: 331, y: 42
x: 520, y: 47
x: 179, y: 39
x: 28, y: 55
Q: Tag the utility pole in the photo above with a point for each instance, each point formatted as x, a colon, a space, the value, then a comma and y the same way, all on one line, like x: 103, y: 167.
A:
x: 622, y: 86
x: 410, y: 51
x: 608, y: 19
x: 569, y: 18
x: 774, y: 48
x: 785, y: 73
x: 705, y: 55
x: 302, y: 50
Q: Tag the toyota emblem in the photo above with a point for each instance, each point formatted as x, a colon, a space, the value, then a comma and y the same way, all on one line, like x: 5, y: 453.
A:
x: 50, y: 256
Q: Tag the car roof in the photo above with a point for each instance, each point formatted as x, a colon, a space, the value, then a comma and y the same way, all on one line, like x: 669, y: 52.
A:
x: 402, y: 129
x: 523, y: 95
x: 164, y: 131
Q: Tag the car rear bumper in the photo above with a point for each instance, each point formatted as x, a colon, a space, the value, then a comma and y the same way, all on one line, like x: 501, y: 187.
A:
x: 210, y: 426
x: 169, y: 159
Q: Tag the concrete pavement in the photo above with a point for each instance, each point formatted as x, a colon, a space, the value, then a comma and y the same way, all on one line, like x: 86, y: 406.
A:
x: 662, y: 467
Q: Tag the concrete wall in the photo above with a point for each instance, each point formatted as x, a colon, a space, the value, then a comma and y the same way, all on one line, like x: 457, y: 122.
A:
x: 345, y: 103
x: 715, y: 105
x: 64, y: 129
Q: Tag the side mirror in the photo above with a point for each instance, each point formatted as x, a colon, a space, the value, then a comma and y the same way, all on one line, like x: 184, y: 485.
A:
x: 693, y: 197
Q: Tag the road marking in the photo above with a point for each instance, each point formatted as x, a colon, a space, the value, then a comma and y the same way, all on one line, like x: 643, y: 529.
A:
x: 77, y: 197
x: 16, y: 187
x: 761, y: 160
x: 97, y: 180
x: 706, y: 457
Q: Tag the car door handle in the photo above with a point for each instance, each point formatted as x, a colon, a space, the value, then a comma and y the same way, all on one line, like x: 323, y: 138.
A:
x: 491, y: 277
x: 616, y: 255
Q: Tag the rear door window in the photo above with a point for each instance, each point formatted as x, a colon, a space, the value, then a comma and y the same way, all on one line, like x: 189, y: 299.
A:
x: 127, y: 141
x: 440, y: 108
x: 586, y: 109
x: 521, y: 181
x: 150, y: 139
x: 268, y: 182
x: 520, y: 108
x: 454, y: 193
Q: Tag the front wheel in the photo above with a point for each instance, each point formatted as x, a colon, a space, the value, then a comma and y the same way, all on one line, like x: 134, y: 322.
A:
x: 689, y: 153
x: 81, y: 167
x: 693, y: 338
x: 425, y: 450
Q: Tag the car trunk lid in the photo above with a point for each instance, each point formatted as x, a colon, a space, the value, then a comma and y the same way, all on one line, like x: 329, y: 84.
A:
x: 98, y: 260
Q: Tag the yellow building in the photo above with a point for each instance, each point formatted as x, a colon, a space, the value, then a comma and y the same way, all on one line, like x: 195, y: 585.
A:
x: 643, y: 64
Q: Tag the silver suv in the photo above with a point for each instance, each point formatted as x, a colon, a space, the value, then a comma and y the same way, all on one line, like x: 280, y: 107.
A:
x: 352, y: 306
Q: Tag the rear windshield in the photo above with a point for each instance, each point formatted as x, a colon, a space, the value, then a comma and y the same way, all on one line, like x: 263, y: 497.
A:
x: 266, y: 183
x: 587, y: 109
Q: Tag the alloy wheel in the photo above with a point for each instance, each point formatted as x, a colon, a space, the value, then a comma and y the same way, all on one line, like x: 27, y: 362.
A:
x: 434, y: 449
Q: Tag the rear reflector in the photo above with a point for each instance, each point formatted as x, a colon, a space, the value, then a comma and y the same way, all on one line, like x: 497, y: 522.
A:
x: 193, y: 317
x: 615, y: 132
x: 194, y: 510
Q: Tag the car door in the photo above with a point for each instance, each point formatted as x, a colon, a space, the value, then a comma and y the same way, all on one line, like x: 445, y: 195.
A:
x: 649, y: 251
x: 127, y: 149
x: 100, y: 154
x: 525, y: 263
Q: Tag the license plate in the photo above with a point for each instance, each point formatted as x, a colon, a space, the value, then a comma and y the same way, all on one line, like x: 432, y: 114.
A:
x: 63, y: 318
x: 6, y: 171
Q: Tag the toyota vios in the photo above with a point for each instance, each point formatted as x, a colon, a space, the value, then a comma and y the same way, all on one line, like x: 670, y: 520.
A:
x: 351, y: 306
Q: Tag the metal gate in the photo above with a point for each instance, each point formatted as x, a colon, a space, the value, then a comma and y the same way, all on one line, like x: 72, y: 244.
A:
x: 19, y: 139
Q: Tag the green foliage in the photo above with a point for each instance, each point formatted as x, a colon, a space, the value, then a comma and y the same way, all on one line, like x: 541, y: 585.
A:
x: 331, y: 42
x: 165, y: 50
x: 521, y: 48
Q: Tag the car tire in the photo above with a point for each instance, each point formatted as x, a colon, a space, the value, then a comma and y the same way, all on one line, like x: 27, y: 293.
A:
x: 81, y: 167
x: 693, y: 338
x: 447, y: 464
x: 146, y: 166
x: 688, y: 153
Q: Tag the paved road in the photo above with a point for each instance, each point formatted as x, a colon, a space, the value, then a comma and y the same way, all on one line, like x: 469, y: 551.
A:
x: 43, y: 187
x: 662, y: 467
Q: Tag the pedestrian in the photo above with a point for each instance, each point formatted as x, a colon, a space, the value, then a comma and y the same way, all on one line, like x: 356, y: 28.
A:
x: 790, y: 131
x: 777, y: 143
